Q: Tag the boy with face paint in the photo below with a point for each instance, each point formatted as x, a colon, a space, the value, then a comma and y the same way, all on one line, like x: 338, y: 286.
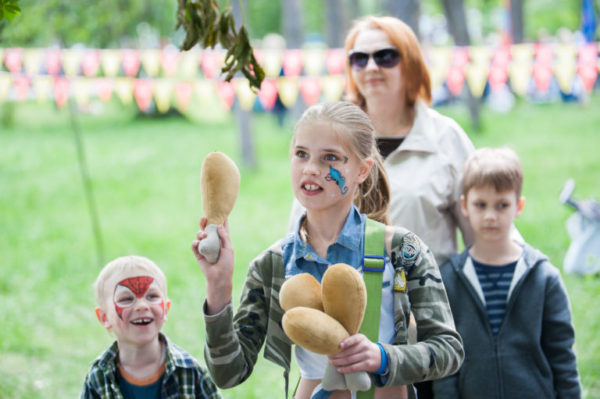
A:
x: 131, y: 293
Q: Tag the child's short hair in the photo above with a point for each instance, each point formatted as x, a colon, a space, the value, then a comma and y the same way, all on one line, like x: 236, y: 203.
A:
x: 496, y: 167
x: 126, y: 264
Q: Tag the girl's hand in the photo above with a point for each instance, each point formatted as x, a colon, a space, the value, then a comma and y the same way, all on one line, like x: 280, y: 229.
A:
x: 358, y: 354
x: 219, y: 276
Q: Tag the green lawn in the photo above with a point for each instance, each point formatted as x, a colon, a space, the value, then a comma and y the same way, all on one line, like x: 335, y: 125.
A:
x: 146, y: 175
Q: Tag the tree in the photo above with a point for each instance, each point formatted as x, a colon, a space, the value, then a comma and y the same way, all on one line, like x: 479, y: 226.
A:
x: 407, y: 10
x: 516, y: 21
x: 291, y: 13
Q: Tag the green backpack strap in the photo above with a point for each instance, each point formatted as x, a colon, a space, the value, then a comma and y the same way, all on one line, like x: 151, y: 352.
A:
x: 373, y: 266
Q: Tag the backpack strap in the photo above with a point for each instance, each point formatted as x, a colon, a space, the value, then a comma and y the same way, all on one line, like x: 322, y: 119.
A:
x: 373, y: 267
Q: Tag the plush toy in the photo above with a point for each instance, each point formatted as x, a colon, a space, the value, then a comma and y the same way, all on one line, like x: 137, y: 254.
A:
x: 320, y: 316
x: 220, y: 182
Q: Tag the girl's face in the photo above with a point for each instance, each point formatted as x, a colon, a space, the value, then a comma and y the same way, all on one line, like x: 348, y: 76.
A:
x: 324, y: 172
x: 374, y: 81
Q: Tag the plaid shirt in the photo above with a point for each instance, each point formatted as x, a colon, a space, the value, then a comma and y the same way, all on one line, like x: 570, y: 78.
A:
x: 184, y: 377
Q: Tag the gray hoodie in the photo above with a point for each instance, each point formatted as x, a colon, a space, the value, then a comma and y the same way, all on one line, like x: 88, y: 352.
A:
x: 532, y: 356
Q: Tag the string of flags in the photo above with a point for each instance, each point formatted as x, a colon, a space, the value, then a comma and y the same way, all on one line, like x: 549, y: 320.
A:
x: 171, y: 78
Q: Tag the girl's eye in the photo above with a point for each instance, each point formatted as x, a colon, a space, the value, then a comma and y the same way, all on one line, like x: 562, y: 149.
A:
x: 301, y: 154
x: 330, y: 157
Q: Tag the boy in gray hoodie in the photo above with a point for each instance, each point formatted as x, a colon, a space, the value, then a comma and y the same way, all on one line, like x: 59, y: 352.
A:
x: 509, y: 303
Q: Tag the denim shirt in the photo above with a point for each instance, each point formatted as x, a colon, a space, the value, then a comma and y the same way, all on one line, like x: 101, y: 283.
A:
x: 299, y: 257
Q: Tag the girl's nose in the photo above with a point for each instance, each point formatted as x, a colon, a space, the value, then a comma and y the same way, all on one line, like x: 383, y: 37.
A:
x: 312, y: 168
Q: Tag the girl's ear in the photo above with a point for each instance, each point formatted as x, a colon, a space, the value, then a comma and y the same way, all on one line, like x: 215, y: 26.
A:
x: 103, y: 318
x: 365, y: 169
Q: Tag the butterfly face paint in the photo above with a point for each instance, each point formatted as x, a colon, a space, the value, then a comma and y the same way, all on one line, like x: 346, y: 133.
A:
x: 337, y: 177
x: 131, y: 289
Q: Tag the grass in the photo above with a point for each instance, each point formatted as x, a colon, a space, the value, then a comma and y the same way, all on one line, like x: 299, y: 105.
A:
x: 145, y: 175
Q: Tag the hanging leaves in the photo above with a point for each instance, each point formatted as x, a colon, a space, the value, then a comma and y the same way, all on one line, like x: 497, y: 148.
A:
x: 9, y: 9
x: 205, y: 24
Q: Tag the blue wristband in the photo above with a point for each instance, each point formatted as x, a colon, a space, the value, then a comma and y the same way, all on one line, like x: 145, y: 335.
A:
x: 384, y: 360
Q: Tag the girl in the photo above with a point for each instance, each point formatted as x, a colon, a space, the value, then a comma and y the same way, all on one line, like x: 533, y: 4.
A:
x: 334, y: 165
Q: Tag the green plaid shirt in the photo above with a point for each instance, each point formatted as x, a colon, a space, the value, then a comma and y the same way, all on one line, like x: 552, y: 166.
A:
x: 184, y: 377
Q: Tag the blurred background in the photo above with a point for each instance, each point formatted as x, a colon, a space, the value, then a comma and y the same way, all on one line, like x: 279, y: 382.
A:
x: 104, y: 124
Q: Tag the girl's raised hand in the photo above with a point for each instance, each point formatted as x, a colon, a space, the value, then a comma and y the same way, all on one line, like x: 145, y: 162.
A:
x: 219, y: 276
x: 358, y: 354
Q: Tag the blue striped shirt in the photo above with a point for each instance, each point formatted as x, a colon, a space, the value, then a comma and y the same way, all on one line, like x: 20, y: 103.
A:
x: 495, y: 282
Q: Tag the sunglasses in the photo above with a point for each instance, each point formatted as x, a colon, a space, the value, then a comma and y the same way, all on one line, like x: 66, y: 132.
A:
x: 384, y: 58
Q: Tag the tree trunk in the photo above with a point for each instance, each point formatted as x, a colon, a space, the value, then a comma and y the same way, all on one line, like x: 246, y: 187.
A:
x: 291, y: 11
x: 516, y: 21
x: 335, y: 29
x: 457, y: 24
x: 407, y: 10
x: 243, y: 117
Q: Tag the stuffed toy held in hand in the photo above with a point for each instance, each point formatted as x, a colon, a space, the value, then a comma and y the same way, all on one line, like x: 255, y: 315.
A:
x: 319, y: 316
x: 220, y: 183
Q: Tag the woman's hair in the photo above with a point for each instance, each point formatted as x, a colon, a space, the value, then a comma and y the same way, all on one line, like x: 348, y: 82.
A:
x: 493, y: 167
x: 126, y: 265
x: 354, y: 127
x: 416, y: 75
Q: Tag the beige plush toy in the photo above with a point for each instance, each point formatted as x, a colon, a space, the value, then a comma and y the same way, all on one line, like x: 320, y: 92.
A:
x: 220, y: 183
x: 320, y: 316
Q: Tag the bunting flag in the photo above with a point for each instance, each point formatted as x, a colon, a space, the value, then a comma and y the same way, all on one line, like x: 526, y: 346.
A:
x: 32, y: 61
x: 310, y: 89
x: 314, y: 60
x: 130, y: 60
x: 71, y: 60
x: 163, y: 88
x: 61, y: 91
x: 104, y: 88
x: 292, y: 62
x: 111, y: 62
x: 226, y: 93
x: 333, y: 87
x: 13, y: 58
x: 335, y: 61
x: 42, y: 87
x: 183, y: 94
x: 169, y: 78
x: 245, y: 95
x: 189, y: 64
x: 267, y: 94
x: 288, y: 90
x: 90, y: 63
x: 123, y: 89
x: 5, y: 85
x: 142, y: 92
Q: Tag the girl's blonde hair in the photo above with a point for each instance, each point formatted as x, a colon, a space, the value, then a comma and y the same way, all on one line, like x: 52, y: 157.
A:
x: 414, y: 69
x: 354, y: 126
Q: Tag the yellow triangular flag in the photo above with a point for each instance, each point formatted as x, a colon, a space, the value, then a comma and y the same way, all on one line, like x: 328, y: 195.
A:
x: 71, y: 60
x: 564, y: 71
x: 271, y: 62
x: 520, y: 75
x: 190, y: 63
x: 205, y: 91
x: 480, y: 55
x: 42, y: 87
x: 111, y: 62
x: 332, y: 87
x: 81, y: 90
x: 522, y: 53
x: 32, y: 61
x: 163, y: 88
x: 288, y: 88
x: 477, y: 74
x: 151, y: 61
x: 314, y: 60
x: 5, y: 84
x: 124, y: 90
x: 244, y: 93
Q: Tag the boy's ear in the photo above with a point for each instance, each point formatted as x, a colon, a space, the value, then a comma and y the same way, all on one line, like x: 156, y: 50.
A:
x: 167, y: 307
x: 103, y: 318
x: 463, y: 206
x: 520, y: 206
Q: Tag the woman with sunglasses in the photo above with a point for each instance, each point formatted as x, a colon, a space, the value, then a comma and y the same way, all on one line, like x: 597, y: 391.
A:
x: 424, y: 151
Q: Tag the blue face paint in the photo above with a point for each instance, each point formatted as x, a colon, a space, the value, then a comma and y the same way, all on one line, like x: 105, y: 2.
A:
x: 337, y: 177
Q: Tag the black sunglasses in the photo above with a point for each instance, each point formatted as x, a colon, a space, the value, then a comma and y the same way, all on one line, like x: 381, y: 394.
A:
x: 385, y: 58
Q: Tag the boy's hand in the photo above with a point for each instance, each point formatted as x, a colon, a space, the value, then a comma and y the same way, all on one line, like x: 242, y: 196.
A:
x: 219, y: 276
x: 358, y: 354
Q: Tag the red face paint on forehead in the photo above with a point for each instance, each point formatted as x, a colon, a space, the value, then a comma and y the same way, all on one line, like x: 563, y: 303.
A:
x: 138, y: 285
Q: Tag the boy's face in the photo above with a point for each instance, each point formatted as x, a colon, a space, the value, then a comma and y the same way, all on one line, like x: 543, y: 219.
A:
x: 135, y: 308
x: 491, y: 213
